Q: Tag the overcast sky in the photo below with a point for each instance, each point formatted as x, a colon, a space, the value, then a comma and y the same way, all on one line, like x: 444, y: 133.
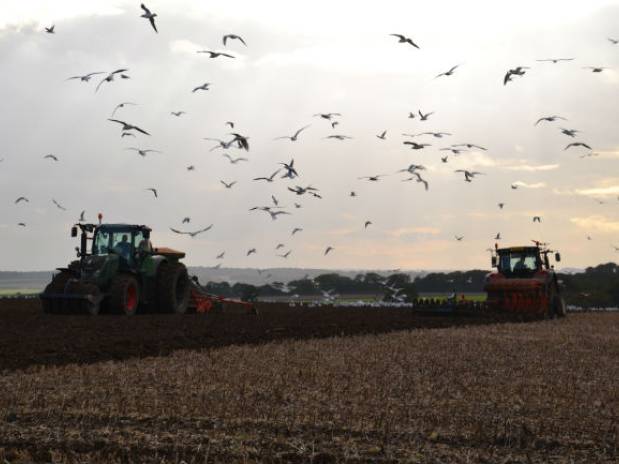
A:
x: 303, y: 58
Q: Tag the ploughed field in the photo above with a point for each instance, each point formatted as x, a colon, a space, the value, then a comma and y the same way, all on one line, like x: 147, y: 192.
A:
x: 538, y: 392
x: 28, y: 337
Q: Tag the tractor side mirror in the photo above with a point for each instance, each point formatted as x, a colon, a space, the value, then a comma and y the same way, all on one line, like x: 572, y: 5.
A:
x: 558, y: 257
x: 493, y: 261
x: 74, y: 231
x: 77, y: 252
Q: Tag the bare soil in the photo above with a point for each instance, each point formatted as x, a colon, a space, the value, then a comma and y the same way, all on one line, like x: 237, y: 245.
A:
x: 28, y: 337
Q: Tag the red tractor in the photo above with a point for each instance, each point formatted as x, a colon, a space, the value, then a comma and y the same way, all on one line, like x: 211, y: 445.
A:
x: 525, y: 282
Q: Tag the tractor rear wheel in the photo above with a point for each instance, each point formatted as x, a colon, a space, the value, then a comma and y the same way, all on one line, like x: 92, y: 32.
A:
x: 173, y: 288
x: 124, y: 295
x: 57, y: 285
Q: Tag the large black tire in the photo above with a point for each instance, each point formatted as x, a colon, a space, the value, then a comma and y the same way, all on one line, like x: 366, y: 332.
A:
x: 173, y: 288
x: 124, y: 295
x: 57, y: 285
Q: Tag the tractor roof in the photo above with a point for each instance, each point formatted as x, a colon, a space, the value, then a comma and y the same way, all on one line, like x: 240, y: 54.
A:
x: 122, y: 227
x: 518, y: 249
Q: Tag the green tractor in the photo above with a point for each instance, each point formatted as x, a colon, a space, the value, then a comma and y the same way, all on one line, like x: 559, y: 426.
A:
x: 121, y: 274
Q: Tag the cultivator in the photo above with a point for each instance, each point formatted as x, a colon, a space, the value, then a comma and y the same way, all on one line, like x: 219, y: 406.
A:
x: 203, y: 302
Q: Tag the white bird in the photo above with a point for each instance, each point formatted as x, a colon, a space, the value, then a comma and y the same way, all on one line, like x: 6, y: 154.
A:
x: 274, y: 214
x: 468, y: 175
x: 150, y: 16
x: 50, y: 30
x: 234, y: 160
x: 295, y: 230
x: 85, y: 77
x: 121, y: 105
x: 270, y: 178
x: 154, y: 190
x: 110, y: 77
x: 328, y: 250
x: 424, y: 117
x: 233, y: 37
x: 327, y: 116
x: 448, y: 73
x: 549, y: 119
x: 58, y: 205
x: 404, y: 39
x: 52, y: 157
x: 194, y: 233
x: 177, y: 113
x: 577, y: 144
x: 20, y: 199
x: 338, y: 137
x: 228, y: 185
x: 293, y: 138
x: 128, y: 127
x: 142, y: 153
x: 204, y: 86
x: 251, y: 251
x: 382, y: 136
x: 213, y: 54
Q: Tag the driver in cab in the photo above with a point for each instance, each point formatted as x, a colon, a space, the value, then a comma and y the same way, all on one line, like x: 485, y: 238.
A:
x: 123, y: 248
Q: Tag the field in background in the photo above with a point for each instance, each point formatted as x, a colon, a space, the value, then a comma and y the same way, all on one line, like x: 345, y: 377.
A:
x: 18, y: 292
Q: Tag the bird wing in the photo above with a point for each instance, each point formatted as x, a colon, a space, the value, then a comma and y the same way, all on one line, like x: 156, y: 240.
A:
x: 176, y: 231
x: 300, y: 130
x: 118, y: 121
x: 203, y: 230
x: 152, y: 22
x: 146, y: 10
x: 399, y: 36
x: 140, y: 130
x: 99, y: 84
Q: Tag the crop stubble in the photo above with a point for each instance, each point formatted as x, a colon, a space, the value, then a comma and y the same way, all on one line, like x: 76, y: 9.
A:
x: 537, y: 392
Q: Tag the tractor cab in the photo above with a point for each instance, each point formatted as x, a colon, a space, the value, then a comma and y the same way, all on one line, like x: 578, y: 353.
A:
x: 518, y: 261
x: 522, y: 261
x: 129, y: 242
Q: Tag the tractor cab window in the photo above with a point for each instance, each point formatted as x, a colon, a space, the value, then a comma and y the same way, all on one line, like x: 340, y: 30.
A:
x: 518, y: 263
x: 101, y: 243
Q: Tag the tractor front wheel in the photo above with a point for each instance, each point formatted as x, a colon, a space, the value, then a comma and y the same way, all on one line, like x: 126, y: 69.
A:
x: 173, y: 288
x: 125, y: 295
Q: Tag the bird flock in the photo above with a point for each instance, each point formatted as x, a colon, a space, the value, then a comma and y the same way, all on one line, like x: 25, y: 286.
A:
x: 287, y: 171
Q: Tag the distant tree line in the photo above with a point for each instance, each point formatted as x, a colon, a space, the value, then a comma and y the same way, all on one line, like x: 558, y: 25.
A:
x: 596, y: 286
